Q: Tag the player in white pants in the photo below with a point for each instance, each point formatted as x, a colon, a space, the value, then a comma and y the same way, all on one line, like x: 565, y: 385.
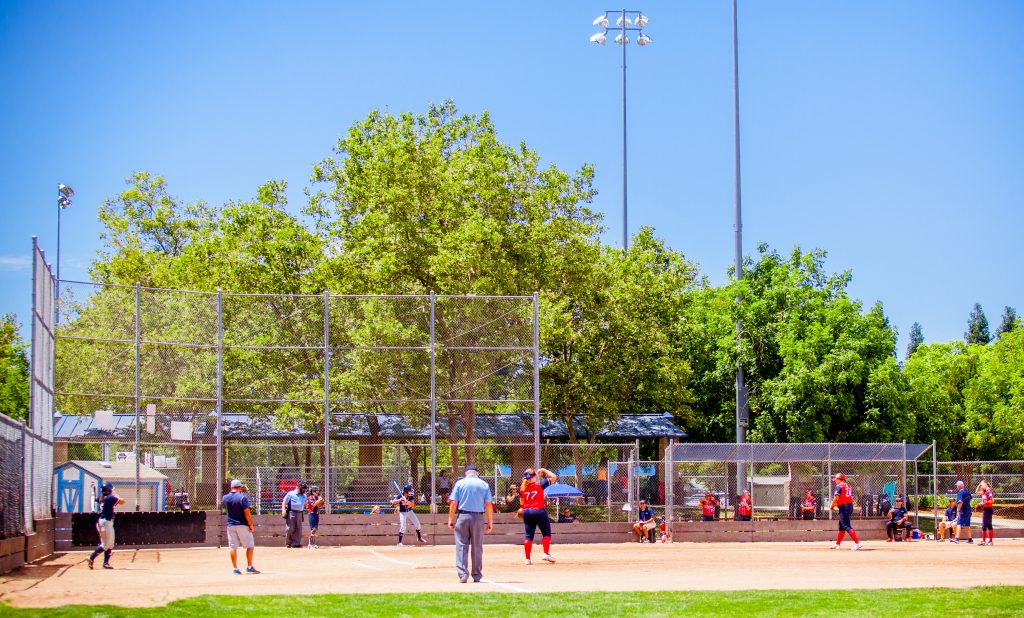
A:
x: 404, y: 503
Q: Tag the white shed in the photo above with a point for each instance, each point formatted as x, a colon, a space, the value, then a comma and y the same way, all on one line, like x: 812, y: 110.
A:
x: 77, y: 482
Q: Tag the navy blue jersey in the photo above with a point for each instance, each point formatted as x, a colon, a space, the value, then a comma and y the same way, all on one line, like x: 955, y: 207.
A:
x: 964, y: 497
x: 897, y: 513
x: 951, y: 514
x: 107, y: 504
x: 645, y: 514
x: 401, y: 506
x: 235, y: 504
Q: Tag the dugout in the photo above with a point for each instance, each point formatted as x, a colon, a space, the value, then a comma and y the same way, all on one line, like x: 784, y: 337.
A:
x: 77, y: 482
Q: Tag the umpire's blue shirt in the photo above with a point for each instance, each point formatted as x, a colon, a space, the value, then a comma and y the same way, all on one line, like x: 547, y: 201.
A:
x: 964, y: 497
x: 295, y: 500
x: 471, y: 493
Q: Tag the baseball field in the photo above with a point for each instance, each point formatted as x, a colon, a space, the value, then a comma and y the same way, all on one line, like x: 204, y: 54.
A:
x: 921, y: 578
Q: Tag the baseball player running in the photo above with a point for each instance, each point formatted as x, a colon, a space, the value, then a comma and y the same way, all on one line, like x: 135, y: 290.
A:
x: 843, y: 500
x: 105, y: 526
x: 405, y: 501
x: 535, y: 513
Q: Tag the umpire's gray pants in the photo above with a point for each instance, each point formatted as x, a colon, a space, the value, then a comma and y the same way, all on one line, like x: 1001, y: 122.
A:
x: 294, y: 528
x: 469, y: 535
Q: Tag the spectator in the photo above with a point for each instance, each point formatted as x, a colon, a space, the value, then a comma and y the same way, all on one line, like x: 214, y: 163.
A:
x: 425, y: 484
x: 566, y: 516
x: 645, y: 524
x: 898, y: 518
x: 947, y: 527
x: 809, y: 506
x: 745, y: 508
x: 602, y: 480
x: 444, y: 485
x: 510, y: 502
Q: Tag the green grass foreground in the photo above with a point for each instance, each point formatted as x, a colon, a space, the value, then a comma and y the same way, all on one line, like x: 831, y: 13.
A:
x: 986, y: 601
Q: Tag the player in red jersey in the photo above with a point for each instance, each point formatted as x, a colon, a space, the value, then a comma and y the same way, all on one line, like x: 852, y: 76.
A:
x: 745, y: 508
x: 843, y: 500
x: 535, y: 512
x: 707, y: 507
x: 987, y: 508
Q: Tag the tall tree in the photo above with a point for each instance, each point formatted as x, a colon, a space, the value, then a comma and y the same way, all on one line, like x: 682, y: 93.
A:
x: 14, y: 370
x: 977, y: 327
x: 1009, y: 321
x: 916, y: 339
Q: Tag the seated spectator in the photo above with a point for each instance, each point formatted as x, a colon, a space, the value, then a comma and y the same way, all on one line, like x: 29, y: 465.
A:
x: 947, y: 527
x: 809, y: 505
x: 745, y: 508
x: 898, y: 518
x: 709, y: 506
x: 566, y: 516
x: 509, y: 503
x: 645, y: 524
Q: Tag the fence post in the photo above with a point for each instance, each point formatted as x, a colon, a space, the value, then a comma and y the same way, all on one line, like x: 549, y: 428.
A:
x: 904, y: 471
x: 327, y: 401
x: 433, y: 411
x: 27, y: 507
x: 138, y: 385
x: 220, y: 400
x: 670, y: 476
x: 935, y: 483
x: 828, y: 480
x: 536, y: 380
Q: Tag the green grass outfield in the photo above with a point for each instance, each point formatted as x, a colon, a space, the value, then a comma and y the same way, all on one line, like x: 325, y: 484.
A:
x: 986, y: 601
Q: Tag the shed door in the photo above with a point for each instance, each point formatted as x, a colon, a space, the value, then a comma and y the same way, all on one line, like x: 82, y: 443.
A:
x: 146, y: 501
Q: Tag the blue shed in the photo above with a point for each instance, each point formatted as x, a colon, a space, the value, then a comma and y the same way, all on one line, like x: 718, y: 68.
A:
x: 76, y: 482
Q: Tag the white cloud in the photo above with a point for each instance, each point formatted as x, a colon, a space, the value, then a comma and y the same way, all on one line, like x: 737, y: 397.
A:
x: 14, y: 264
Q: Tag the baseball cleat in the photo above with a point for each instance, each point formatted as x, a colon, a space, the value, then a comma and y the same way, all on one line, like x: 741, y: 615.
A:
x: 888, y: 540
x: 424, y: 541
x: 251, y: 571
x: 400, y: 544
x: 957, y: 541
x: 107, y: 566
x: 855, y: 547
x: 236, y: 572
x: 970, y: 541
x: 834, y: 546
x: 528, y: 562
x: 549, y: 557
x: 91, y: 564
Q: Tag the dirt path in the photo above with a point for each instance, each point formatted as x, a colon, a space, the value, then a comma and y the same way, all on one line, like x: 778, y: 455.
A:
x: 155, y: 577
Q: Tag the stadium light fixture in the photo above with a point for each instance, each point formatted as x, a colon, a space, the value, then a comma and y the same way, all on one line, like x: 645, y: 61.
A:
x: 627, y: 21
x: 64, y: 195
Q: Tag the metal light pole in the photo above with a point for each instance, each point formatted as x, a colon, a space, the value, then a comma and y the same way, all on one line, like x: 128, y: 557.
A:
x: 628, y: 21
x: 742, y: 413
x: 64, y: 195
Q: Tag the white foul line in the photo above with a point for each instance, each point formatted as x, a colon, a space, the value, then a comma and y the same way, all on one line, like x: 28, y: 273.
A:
x: 366, y: 566
x: 395, y: 560
x: 508, y: 586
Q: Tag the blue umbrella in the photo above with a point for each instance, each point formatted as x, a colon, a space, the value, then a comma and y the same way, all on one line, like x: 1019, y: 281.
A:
x: 561, y: 490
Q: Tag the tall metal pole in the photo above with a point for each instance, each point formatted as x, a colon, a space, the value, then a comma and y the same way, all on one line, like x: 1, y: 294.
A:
x: 220, y: 399
x: 536, y: 380
x: 433, y: 411
x: 327, y: 400
x: 625, y: 211
x: 741, y: 388
x: 138, y: 387
x: 935, y: 483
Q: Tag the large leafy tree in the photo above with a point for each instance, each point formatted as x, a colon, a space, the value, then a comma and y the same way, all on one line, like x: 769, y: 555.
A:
x: 14, y: 370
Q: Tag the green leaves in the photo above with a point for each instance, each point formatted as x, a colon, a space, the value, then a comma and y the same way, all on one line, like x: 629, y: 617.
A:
x: 14, y: 370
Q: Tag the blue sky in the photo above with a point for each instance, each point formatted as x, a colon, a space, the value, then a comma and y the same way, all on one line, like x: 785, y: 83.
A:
x: 889, y: 134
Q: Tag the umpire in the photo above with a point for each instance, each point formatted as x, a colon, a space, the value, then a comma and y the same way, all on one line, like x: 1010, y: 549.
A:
x: 470, y: 504
x: 293, y: 509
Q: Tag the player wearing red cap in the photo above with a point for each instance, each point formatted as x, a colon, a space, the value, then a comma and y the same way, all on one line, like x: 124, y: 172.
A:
x: 843, y: 500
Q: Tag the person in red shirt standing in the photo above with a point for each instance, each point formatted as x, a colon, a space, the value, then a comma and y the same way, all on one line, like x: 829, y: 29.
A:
x: 987, y: 508
x: 843, y: 500
x: 535, y: 512
x: 745, y: 508
x: 707, y: 507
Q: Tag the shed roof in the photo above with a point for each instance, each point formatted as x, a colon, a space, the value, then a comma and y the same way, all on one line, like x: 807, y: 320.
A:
x: 115, y: 471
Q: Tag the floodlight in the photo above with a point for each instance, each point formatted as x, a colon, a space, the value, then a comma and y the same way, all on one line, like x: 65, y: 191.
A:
x: 598, y: 38
x: 641, y: 21
x: 621, y: 40
x: 65, y: 190
x: 643, y: 39
x: 63, y: 202
x: 601, y: 21
x: 618, y: 22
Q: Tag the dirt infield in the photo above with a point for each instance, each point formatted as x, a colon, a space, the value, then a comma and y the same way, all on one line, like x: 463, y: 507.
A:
x: 155, y: 577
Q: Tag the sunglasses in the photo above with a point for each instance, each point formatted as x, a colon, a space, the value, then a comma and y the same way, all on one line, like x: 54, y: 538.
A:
x: 528, y: 475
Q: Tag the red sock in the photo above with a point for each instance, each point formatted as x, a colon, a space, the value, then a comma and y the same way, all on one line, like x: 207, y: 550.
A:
x: 546, y: 542
x: 839, y: 539
x: 853, y: 535
x: 528, y: 546
x: 991, y: 535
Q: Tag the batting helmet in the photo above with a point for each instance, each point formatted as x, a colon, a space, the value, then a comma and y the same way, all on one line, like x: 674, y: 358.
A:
x: 407, y: 488
x: 840, y: 476
x: 108, y: 488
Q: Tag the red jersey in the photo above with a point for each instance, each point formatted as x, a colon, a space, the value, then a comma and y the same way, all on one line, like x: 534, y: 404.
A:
x: 532, y: 496
x: 744, y: 505
x: 844, y: 493
x: 810, y: 502
x: 987, y: 499
x: 707, y: 506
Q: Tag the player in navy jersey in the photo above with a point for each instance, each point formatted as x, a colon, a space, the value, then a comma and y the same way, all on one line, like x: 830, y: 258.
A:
x: 963, y: 506
x: 105, y: 526
x: 405, y: 502
x: 843, y: 500
x: 897, y: 518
